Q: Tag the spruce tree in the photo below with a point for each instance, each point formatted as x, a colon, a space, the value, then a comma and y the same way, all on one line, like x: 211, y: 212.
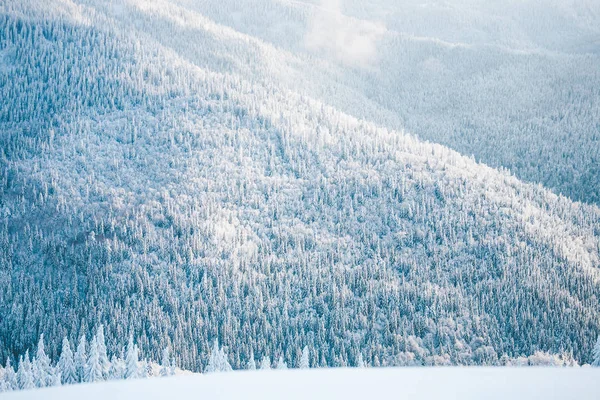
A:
x: 281, y: 363
x: 596, y: 353
x: 43, y: 373
x: 10, y: 377
x: 24, y: 374
x: 93, y: 369
x: 117, y: 368
x: 165, y: 366
x: 304, y: 361
x: 102, y: 355
x: 265, y: 362
x: 66, y: 364
x: 131, y: 360
x: 81, y: 359
x: 360, y: 363
x: 251, y: 363
x: 218, y: 360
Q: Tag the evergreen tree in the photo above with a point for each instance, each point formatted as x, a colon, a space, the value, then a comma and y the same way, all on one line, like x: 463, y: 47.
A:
x: 3, y: 385
x: 24, y: 374
x: 117, y: 368
x: 81, y: 359
x: 132, y: 370
x: 596, y: 353
x: 102, y: 355
x: 56, y: 378
x: 360, y: 363
x: 217, y: 361
x: 304, y: 361
x: 173, y: 366
x: 251, y: 363
x: 10, y: 377
x: 43, y: 373
x: 66, y: 364
x: 265, y: 362
x: 165, y: 366
x: 93, y: 369
x: 146, y: 371
x: 281, y: 364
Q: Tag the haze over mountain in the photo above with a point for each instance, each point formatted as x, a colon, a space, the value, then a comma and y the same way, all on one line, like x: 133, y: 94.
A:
x: 516, y: 84
x: 175, y: 177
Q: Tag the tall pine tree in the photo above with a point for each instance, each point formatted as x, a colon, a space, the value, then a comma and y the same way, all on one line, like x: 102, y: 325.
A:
x: 66, y: 364
x: 93, y: 369
x: 131, y: 360
x: 81, y: 359
x: 596, y: 353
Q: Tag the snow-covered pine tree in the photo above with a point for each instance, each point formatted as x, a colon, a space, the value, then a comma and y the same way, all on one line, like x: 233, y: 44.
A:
x: 304, y: 360
x: 81, y: 359
x: 24, y: 374
x: 217, y: 361
x: 165, y: 365
x: 360, y: 363
x: 596, y: 353
x: 131, y: 360
x: 3, y: 386
x: 146, y: 371
x: 66, y: 364
x: 117, y: 368
x: 102, y: 355
x: 43, y: 374
x: 93, y: 369
x: 265, y: 362
x: 281, y: 363
x: 10, y: 377
x: 173, y: 366
x: 56, y: 378
x: 251, y: 363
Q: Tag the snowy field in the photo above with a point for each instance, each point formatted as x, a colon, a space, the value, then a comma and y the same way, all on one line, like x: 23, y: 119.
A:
x: 390, y: 383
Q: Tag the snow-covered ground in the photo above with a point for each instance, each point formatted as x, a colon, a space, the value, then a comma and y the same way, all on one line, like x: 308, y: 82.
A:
x: 383, y: 383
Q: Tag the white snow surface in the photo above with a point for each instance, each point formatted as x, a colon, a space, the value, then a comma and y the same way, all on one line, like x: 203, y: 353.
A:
x: 345, y: 383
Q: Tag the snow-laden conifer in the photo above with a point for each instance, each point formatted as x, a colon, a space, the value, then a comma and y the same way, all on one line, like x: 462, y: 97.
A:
x: 304, y: 360
x: 81, y: 359
x: 217, y: 361
x: 66, y: 364
x: 251, y: 365
x: 132, y: 368
x: 281, y: 364
x: 265, y: 363
x: 93, y: 368
x: 596, y: 353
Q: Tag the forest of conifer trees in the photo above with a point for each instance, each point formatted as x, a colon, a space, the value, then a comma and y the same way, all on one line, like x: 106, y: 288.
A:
x: 155, y: 196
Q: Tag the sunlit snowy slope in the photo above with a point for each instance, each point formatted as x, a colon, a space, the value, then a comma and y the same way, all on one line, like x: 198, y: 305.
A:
x: 177, y: 179
x: 515, y: 83
x: 347, y: 384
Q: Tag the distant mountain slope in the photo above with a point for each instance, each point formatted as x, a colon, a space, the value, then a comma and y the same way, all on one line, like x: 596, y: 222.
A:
x: 499, y: 80
x: 414, y: 383
x: 184, y: 203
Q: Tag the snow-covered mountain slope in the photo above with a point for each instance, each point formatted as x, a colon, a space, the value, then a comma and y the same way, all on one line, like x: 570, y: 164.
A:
x: 410, y: 383
x: 160, y: 177
x: 514, y: 83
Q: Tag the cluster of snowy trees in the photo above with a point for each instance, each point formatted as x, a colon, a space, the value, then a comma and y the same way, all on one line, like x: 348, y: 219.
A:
x: 140, y: 189
x: 89, y: 363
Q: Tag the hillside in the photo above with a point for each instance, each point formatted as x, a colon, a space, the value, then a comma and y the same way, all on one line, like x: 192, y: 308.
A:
x: 513, y: 83
x: 171, y: 186
x: 411, y: 383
